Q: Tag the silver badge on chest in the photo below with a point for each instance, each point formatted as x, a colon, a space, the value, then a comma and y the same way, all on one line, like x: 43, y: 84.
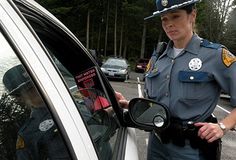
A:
x: 195, y: 64
x: 46, y: 125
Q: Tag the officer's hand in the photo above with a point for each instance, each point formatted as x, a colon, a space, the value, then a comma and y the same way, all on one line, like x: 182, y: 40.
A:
x: 124, y: 103
x: 209, y: 131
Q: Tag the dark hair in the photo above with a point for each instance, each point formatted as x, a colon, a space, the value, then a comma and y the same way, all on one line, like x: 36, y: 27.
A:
x: 189, y: 8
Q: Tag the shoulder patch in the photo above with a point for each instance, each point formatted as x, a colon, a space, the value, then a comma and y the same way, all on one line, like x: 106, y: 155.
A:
x: 20, y: 143
x: 207, y: 44
x: 151, y: 62
x: 148, y: 66
x: 227, y: 57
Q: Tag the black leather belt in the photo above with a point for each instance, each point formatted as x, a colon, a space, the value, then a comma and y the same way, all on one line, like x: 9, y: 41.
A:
x: 187, y: 134
x: 178, y: 132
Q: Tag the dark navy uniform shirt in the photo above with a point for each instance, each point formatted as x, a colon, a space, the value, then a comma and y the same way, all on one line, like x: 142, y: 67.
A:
x: 39, y: 139
x: 190, y: 84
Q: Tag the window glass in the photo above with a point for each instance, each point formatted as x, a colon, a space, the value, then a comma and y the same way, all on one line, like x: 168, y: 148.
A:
x: 83, y: 81
x: 116, y: 62
x: 27, y: 129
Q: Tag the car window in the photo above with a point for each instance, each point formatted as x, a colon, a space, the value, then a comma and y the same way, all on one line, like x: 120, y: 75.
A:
x: 116, y: 62
x: 28, y: 130
x: 83, y: 80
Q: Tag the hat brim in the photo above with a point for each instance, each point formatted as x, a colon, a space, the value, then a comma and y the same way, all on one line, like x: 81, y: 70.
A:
x: 169, y: 9
x: 24, y: 86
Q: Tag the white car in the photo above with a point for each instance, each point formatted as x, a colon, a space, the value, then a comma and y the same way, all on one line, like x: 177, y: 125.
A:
x: 116, y: 68
x: 45, y: 67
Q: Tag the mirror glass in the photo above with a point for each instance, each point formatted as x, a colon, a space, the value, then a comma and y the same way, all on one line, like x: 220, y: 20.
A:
x: 148, y: 113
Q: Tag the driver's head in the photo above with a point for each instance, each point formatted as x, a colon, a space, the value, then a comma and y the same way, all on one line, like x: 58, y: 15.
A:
x: 17, y: 81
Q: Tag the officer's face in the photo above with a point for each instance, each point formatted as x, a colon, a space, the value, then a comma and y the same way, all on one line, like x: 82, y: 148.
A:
x: 29, y: 97
x: 178, y: 25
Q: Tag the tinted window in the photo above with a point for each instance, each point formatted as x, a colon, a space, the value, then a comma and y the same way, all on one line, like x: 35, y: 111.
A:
x: 84, y: 82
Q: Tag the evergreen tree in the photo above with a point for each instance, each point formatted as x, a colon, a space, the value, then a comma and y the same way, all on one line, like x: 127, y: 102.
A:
x: 230, y: 34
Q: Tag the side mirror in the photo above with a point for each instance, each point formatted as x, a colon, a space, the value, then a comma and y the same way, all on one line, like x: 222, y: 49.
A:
x: 148, y: 115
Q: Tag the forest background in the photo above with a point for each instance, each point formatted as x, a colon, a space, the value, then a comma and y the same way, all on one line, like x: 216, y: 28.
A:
x: 117, y: 27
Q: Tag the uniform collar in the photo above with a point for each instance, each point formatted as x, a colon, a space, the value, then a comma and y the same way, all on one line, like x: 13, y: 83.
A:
x: 169, y: 46
x: 192, y: 47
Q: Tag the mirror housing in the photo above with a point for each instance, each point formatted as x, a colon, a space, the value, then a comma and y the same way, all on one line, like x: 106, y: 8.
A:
x: 148, y: 115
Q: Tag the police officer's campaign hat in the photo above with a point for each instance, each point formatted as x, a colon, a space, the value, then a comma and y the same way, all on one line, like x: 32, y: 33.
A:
x: 164, y: 6
x: 16, y: 80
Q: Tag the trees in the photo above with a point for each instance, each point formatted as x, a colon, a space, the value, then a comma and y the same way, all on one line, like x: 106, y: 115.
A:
x: 230, y: 33
x: 117, y: 27
x: 212, y: 18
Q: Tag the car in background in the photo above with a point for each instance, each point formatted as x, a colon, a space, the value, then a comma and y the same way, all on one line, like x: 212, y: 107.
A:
x: 141, y: 65
x: 116, y: 68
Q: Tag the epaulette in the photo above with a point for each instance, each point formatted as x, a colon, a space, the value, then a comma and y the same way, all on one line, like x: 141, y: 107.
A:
x: 207, y: 44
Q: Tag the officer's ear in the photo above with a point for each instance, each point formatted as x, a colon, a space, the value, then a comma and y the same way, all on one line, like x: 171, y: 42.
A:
x: 193, y: 16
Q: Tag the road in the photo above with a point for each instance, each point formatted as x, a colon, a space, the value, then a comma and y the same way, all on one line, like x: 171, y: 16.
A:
x: 130, y: 90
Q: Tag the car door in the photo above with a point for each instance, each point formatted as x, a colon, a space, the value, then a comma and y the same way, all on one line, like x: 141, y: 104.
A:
x: 78, y: 97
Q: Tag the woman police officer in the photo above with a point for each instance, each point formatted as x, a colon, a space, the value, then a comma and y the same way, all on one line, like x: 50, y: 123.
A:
x: 188, y: 77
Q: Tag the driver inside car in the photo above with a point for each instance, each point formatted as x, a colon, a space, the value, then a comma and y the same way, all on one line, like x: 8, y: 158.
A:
x: 94, y: 99
x: 99, y: 116
x: 38, y: 138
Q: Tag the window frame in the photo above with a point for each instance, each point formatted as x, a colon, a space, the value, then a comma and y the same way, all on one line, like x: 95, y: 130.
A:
x: 48, y: 82
x: 43, y: 59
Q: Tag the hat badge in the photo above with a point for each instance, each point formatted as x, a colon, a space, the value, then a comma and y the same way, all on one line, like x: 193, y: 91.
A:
x: 164, y: 3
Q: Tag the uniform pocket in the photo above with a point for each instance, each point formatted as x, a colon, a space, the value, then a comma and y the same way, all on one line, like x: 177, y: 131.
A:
x: 196, y: 85
x: 195, y: 77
